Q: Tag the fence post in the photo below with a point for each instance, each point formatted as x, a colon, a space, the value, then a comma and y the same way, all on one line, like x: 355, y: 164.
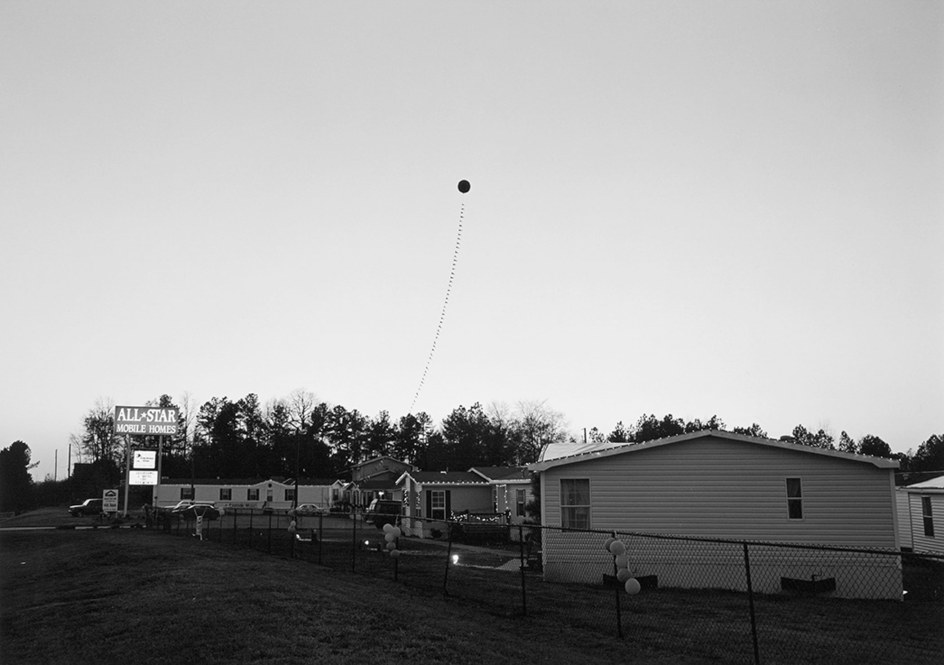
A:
x: 269, y: 545
x: 524, y: 594
x: 750, y: 599
x: 354, y: 540
x: 448, y: 560
x: 619, y: 597
x: 320, y: 535
x: 252, y: 512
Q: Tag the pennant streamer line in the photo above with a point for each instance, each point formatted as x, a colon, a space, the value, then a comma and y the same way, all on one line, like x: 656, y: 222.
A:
x: 442, y: 313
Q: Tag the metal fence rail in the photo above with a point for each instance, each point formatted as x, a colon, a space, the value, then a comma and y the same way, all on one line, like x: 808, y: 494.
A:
x: 735, y: 601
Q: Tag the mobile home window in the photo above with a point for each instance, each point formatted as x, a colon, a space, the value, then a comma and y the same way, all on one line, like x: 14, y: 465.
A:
x: 575, y: 503
x: 226, y: 494
x: 252, y: 494
x: 437, y: 504
x: 290, y: 494
x: 927, y: 517
x: 186, y: 493
x: 794, y: 499
x: 519, y: 503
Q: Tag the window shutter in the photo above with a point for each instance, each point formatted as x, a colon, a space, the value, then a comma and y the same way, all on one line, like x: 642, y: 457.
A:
x: 448, y: 504
x: 429, y: 504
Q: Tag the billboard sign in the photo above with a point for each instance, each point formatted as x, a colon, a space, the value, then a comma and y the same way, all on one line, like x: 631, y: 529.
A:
x: 146, y: 420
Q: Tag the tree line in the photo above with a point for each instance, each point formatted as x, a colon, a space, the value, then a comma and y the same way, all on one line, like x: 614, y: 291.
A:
x: 300, y: 435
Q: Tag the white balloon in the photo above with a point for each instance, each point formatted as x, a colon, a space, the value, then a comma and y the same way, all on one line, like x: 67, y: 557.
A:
x: 632, y: 586
x: 617, y: 547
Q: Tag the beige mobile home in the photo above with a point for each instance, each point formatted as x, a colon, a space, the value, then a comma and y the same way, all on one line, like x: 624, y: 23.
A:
x: 714, y: 484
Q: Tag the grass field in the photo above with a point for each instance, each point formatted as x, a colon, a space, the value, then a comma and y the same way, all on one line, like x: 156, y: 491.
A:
x: 109, y: 596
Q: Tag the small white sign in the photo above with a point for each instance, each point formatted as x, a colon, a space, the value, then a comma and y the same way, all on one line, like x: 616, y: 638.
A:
x: 110, y: 501
x: 139, y: 477
x: 144, y: 459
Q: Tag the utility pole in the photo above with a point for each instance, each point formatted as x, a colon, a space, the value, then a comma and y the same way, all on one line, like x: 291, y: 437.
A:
x: 298, y: 444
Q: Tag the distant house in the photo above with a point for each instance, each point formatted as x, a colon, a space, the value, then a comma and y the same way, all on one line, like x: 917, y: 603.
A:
x: 494, y: 495
x: 376, y: 478
x: 434, y: 496
x: 918, y: 506
x: 511, y: 489
x: 715, y: 484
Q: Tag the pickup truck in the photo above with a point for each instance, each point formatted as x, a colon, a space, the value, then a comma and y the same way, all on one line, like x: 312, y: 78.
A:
x: 87, y: 507
x: 381, y: 512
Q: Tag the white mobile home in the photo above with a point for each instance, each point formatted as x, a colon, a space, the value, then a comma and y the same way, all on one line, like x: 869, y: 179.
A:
x: 256, y: 494
x: 714, y: 484
x: 920, y: 505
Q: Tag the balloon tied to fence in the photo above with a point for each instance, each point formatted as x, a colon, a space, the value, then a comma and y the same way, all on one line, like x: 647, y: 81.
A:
x: 391, y: 534
x: 617, y: 548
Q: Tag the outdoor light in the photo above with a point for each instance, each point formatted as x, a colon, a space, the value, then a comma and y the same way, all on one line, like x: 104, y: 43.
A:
x: 455, y: 559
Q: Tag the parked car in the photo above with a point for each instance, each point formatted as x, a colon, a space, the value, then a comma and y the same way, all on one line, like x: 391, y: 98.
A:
x: 381, y: 512
x: 308, y: 509
x: 188, y: 508
x: 87, y: 507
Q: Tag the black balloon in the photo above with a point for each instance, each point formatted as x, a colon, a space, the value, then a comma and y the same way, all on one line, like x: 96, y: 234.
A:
x: 464, y: 186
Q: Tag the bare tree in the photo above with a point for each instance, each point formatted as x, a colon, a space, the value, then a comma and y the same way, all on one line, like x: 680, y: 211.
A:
x: 99, y: 440
x: 188, y: 417
x: 535, y: 426
x: 301, y: 403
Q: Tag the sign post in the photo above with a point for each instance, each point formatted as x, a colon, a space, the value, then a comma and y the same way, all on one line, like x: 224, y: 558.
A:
x: 127, y: 471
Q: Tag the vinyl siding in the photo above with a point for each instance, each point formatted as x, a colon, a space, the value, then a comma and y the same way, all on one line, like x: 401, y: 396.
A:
x: 904, y: 519
x: 721, y: 488
x: 923, y: 543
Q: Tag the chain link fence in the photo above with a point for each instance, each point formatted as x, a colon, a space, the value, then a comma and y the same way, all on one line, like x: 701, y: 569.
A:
x: 708, y: 599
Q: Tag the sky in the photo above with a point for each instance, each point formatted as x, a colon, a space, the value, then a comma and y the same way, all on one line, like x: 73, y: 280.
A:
x: 683, y: 207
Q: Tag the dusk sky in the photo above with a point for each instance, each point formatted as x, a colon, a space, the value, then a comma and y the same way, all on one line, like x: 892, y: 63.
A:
x: 696, y: 208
